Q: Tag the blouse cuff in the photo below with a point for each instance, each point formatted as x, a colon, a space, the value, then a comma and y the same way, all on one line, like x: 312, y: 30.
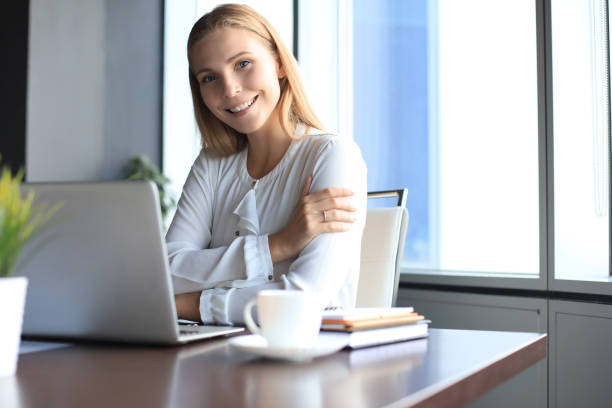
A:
x: 258, y: 261
x: 214, y: 306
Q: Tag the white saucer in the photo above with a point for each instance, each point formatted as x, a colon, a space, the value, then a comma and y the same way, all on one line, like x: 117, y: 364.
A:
x: 256, y: 344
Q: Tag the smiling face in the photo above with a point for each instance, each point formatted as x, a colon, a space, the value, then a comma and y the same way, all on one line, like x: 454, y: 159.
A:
x: 239, y: 79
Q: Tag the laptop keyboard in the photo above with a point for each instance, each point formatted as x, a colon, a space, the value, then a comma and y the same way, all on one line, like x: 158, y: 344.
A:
x: 194, y: 330
x: 185, y: 332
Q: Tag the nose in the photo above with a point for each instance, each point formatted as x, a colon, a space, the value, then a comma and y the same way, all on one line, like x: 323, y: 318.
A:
x: 232, y: 86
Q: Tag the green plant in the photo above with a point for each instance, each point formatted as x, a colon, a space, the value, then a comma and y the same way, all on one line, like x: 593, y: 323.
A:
x: 20, y: 220
x: 142, y: 168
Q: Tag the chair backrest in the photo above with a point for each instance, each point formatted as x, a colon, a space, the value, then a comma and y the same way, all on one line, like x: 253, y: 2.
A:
x: 382, y: 247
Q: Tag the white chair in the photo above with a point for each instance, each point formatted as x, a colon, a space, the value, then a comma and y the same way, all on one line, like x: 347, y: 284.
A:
x: 382, y: 246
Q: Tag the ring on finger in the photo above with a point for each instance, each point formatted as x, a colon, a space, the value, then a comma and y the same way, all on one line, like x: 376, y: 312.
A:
x: 324, y: 216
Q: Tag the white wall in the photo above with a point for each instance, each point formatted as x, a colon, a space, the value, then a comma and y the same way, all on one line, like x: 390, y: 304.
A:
x: 94, y: 87
x: 65, y: 101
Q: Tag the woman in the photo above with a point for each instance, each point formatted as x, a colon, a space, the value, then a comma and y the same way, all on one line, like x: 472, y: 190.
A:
x: 247, y: 219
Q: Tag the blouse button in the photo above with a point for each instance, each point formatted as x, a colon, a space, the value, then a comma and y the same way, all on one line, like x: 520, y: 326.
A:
x: 237, y: 233
x: 269, y: 277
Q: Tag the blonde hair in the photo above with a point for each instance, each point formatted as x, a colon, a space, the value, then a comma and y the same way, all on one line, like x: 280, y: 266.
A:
x: 220, y: 138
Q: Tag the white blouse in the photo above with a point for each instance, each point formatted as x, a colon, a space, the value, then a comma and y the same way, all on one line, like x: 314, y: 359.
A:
x: 218, y: 240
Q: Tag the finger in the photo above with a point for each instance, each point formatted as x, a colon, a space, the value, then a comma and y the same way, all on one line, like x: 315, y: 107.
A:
x: 330, y: 192
x: 335, y: 227
x: 339, y: 216
x: 307, y: 185
x: 333, y: 204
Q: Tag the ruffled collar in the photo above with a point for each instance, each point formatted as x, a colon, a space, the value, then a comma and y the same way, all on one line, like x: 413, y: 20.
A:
x: 246, y: 209
x: 247, y: 213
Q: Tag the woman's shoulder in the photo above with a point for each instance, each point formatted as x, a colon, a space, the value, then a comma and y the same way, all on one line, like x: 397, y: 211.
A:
x: 335, y: 160
x: 323, y: 139
x: 209, y: 161
x: 319, y: 141
x: 213, y: 169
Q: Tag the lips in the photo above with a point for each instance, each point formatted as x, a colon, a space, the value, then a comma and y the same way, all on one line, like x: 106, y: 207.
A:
x: 243, y: 106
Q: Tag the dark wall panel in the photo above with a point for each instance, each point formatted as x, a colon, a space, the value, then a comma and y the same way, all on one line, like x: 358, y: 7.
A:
x: 13, y: 81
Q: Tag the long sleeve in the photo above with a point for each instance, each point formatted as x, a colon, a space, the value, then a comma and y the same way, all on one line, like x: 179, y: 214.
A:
x: 329, y: 264
x: 326, y: 263
x: 194, y: 264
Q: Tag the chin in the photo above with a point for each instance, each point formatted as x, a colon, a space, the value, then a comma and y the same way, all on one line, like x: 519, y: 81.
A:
x: 242, y: 130
x: 246, y: 129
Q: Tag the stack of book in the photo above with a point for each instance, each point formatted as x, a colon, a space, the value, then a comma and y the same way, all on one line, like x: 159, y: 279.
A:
x: 371, y: 326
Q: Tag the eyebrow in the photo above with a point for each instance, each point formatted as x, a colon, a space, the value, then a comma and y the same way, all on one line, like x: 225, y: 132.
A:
x: 227, y: 61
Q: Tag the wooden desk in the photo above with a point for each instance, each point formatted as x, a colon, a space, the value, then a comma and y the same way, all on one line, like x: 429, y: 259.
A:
x: 449, y: 369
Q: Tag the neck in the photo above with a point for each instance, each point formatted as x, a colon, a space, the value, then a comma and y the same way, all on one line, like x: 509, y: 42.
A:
x: 266, y: 149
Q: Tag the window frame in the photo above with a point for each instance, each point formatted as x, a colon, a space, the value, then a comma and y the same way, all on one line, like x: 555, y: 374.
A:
x: 538, y: 281
x: 340, y: 66
x: 545, y: 280
x: 603, y: 286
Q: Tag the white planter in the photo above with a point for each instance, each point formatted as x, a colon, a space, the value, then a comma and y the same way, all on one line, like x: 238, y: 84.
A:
x: 12, y: 301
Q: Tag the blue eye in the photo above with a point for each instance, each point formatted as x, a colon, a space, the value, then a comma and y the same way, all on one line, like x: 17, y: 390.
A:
x: 208, y: 78
x: 243, y: 64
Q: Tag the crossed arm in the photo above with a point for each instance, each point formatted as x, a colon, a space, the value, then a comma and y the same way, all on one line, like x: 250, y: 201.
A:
x: 324, y: 211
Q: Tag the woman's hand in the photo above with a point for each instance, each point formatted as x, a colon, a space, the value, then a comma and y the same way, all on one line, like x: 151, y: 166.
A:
x: 323, y: 211
x: 188, y: 306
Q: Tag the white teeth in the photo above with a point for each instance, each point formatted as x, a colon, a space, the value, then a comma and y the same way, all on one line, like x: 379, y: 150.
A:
x: 242, y: 107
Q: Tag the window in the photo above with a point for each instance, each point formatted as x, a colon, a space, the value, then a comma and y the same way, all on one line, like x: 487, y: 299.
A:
x: 581, y: 139
x: 499, y: 128
x: 446, y: 104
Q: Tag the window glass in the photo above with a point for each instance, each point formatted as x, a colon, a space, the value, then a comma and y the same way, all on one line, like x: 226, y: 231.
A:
x: 445, y: 104
x: 581, y: 139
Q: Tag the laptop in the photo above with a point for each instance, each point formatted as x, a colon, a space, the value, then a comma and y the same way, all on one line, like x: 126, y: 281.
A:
x: 99, y: 269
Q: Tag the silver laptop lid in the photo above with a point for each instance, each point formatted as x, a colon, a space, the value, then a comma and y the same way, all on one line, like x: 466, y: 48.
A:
x: 100, y: 270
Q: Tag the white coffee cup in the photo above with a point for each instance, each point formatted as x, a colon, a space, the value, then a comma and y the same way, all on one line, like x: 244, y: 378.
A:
x: 288, y: 318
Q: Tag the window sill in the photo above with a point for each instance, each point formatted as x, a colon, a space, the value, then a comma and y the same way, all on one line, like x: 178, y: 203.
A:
x: 594, y: 285
x: 474, y: 274
x: 472, y: 279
